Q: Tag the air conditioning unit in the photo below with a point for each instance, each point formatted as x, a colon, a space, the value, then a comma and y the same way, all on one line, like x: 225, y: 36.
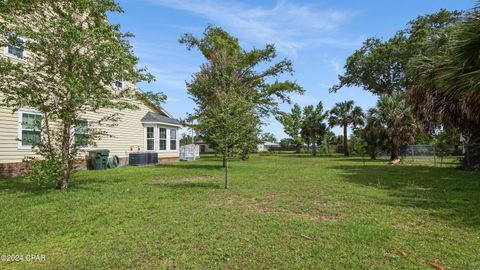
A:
x: 142, y: 158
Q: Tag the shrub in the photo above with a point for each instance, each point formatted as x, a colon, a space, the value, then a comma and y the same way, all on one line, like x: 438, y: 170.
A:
x: 43, y: 172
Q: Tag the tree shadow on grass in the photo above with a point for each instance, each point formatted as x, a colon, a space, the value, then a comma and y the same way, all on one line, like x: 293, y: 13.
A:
x: 452, y: 194
x: 186, y: 185
x: 94, y: 183
x: 303, y: 155
x: 190, y: 166
x: 18, y: 185
x: 361, y: 160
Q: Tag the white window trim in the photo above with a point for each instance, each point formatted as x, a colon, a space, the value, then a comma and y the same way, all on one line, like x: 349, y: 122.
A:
x: 167, y: 136
x: 73, y: 132
x: 155, y: 135
x: 20, y: 127
x: 169, y: 139
x: 9, y: 55
x: 156, y: 129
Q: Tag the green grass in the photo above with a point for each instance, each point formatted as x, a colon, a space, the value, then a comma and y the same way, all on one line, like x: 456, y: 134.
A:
x: 285, y: 212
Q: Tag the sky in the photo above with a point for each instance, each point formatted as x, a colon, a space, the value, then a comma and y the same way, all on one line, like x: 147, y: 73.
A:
x: 316, y: 35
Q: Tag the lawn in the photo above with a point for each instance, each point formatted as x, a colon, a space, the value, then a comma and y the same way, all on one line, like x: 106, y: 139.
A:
x: 284, y: 212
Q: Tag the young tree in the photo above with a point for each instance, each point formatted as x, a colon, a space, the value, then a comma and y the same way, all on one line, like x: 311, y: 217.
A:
x: 330, y: 138
x: 231, y: 94
x: 74, y: 58
x: 359, y: 145
x: 345, y: 114
x: 313, y: 126
x: 292, y: 125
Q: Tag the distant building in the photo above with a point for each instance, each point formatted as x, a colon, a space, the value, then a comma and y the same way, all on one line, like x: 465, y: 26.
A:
x: 266, y: 146
x: 204, y: 147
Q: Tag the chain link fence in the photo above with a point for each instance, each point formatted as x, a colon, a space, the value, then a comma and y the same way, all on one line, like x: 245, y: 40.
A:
x: 430, y: 155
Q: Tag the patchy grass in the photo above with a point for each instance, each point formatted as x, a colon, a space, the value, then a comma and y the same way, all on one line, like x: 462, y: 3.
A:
x: 286, y: 211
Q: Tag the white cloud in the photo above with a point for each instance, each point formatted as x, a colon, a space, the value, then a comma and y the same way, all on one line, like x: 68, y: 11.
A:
x: 305, y: 99
x: 337, y: 67
x: 290, y: 26
x: 173, y: 100
x: 171, y: 76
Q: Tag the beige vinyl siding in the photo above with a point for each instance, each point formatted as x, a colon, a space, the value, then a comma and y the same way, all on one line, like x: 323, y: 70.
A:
x: 127, y: 135
x: 9, y: 151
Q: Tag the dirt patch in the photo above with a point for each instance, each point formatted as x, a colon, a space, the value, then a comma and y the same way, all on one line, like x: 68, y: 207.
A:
x: 266, y: 208
x: 182, y: 179
x: 396, y: 162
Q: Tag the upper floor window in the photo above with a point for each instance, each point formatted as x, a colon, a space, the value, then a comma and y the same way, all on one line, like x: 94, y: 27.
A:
x: 173, y: 139
x: 29, y: 129
x: 17, y: 48
x: 118, y: 82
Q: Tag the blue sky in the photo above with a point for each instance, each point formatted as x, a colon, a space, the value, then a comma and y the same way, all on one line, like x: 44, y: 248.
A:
x: 317, y: 36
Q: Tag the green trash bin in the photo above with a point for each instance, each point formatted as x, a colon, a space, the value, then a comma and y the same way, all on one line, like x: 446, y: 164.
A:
x: 99, y: 159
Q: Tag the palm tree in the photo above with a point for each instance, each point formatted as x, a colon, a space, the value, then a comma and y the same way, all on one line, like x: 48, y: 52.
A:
x: 345, y: 114
x: 396, y: 115
x: 446, y: 84
x: 374, y: 133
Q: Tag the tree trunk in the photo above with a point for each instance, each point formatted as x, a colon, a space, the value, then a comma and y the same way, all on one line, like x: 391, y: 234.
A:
x: 372, y: 152
x: 66, y: 156
x: 395, y: 149
x: 472, y: 151
x: 314, y: 149
x: 224, y: 161
x: 345, y: 141
x: 226, y: 172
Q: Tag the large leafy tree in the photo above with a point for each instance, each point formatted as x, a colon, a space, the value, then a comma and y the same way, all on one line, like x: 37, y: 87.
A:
x: 397, y: 117
x: 292, y: 125
x: 313, y: 126
x: 446, y: 84
x: 345, y: 114
x: 380, y: 66
x: 74, y: 58
x: 231, y: 93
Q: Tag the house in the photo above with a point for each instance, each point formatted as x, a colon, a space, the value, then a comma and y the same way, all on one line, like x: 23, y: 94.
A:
x: 204, y: 147
x: 149, y: 128
x: 266, y: 146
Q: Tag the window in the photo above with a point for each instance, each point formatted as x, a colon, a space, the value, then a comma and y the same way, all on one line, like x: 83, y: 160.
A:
x: 150, y: 139
x: 173, y: 139
x: 81, y: 133
x: 162, y: 141
x: 30, y: 129
x: 119, y: 82
x: 16, y: 49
